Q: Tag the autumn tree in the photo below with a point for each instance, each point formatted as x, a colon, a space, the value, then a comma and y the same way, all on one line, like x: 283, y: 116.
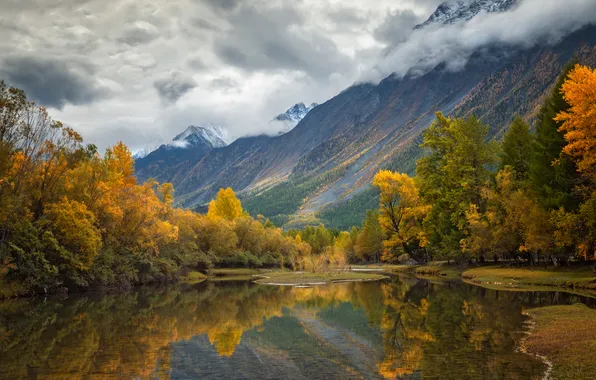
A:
x: 579, y: 121
x: 79, y: 240
x: 225, y: 205
x: 369, y: 243
x: 401, y: 216
x: 575, y: 229
x: 451, y: 177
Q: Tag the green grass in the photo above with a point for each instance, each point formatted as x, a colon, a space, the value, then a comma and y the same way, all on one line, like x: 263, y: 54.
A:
x: 523, y: 278
x: 438, y: 270
x: 390, y: 268
x: 298, y: 278
x: 566, y: 336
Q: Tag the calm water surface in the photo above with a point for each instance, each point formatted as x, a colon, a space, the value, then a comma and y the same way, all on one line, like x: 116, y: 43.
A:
x: 399, y: 328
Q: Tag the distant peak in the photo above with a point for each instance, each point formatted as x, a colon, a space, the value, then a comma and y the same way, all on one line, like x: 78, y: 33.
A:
x: 213, y: 135
x: 455, y: 11
x: 294, y: 115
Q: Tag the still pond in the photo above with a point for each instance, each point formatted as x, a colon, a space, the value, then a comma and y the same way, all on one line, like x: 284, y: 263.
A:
x: 401, y: 327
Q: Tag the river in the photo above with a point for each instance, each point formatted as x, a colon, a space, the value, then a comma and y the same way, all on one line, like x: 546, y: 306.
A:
x: 402, y: 328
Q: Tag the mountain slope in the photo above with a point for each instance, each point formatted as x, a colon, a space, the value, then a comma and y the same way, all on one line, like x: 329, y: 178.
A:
x: 322, y: 168
x: 494, y: 89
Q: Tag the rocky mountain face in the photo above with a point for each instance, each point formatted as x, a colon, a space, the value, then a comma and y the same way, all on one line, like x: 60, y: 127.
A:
x: 293, y: 116
x: 164, y: 162
x: 452, y: 12
x: 326, y: 163
x: 214, y: 136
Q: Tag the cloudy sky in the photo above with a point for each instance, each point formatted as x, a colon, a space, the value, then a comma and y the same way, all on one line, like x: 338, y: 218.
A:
x: 142, y: 70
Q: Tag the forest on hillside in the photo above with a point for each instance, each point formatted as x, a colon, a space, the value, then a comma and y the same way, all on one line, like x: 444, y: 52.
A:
x: 71, y: 218
x: 531, y: 196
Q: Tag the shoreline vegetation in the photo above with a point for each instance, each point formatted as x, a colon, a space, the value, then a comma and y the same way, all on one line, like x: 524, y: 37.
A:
x: 312, y: 279
x: 563, y: 336
x: 528, y: 278
x: 573, y: 279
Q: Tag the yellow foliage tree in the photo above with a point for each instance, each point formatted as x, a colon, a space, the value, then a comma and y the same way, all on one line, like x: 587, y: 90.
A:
x: 579, y: 123
x: 73, y: 226
x: 225, y: 205
x: 401, y: 213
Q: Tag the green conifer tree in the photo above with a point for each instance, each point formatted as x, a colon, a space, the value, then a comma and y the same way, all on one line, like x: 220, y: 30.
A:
x: 553, y: 174
x: 516, y: 149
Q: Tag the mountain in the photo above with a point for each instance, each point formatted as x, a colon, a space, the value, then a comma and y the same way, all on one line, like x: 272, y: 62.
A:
x: 293, y: 115
x: 162, y: 163
x: 296, y: 113
x: 144, y: 151
x: 320, y: 171
x: 452, y: 12
x: 213, y: 136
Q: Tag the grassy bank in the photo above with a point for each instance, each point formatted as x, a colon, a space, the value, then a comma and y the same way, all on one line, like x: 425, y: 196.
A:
x: 234, y: 272
x: 526, y: 278
x: 438, y: 270
x: 566, y: 336
x: 301, y: 278
x: 387, y: 268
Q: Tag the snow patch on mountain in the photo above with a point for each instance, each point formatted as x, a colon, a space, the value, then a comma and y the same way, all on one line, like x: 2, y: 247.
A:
x: 455, y: 11
x: 144, y: 151
x: 213, y: 135
x: 293, y: 116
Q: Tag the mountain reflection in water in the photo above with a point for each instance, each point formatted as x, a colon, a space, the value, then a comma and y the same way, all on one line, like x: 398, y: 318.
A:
x: 400, y: 328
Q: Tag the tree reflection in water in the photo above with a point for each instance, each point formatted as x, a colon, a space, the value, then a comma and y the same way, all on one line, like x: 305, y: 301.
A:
x: 400, y: 328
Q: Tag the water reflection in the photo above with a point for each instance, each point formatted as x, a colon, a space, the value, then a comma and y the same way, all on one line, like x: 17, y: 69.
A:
x: 400, y: 328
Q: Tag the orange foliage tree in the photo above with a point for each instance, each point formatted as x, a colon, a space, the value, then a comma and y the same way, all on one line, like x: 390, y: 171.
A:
x: 579, y: 123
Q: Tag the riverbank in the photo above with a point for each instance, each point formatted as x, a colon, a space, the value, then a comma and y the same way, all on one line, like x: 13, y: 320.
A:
x: 566, y: 337
x: 448, y: 272
x: 498, y: 277
x: 309, y: 279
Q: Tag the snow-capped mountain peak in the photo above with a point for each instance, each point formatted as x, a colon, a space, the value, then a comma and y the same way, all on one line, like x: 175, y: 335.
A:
x: 455, y: 11
x: 215, y: 136
x: 293, y: 116
x: 205, y: 137
x: 143, y: 151
x: 296, y: 113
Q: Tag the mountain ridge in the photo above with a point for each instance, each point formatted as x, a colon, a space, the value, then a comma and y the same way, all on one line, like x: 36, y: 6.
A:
x: 293, y: 116
x: 452, y: 12
x: 307, y: 174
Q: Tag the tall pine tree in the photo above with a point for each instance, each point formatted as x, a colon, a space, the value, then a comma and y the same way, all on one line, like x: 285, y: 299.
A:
x: 516, y: 148
x: 552, y: 172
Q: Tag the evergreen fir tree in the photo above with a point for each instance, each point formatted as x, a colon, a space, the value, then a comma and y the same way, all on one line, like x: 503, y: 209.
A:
x: 516, y: 148
x: 553, y: 174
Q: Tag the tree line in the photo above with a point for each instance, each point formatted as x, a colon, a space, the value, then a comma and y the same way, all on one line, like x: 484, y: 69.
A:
x: 72, y: 218
x: 532, y: 196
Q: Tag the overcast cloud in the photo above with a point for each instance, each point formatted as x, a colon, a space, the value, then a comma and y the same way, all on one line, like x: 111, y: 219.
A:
x: 142, y: 70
